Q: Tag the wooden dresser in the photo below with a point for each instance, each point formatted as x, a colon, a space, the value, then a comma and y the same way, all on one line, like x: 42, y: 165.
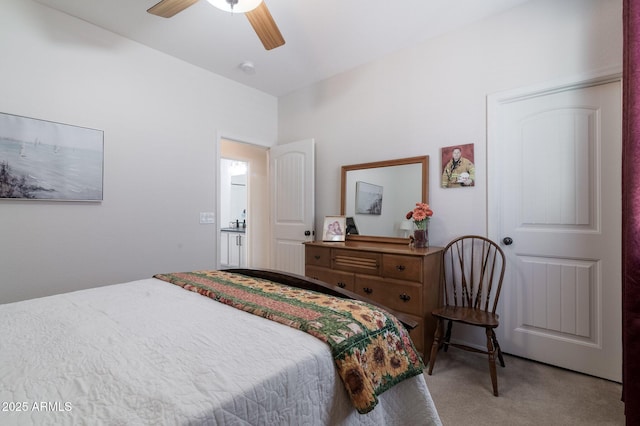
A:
x: 395, y: 275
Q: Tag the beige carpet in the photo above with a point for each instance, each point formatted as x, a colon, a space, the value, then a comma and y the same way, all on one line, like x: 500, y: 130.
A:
x: 530, y: 393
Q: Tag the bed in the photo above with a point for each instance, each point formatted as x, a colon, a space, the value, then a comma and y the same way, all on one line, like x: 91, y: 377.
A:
x: 148, y: 352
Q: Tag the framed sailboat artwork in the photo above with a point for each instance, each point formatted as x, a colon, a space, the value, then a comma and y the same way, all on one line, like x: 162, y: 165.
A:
x: 44, y: 160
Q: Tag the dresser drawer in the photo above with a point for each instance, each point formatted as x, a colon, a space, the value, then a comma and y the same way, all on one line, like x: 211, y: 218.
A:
x: 393, y: 275
x: 402, y: 267
x: 340, y: 279
x: 363, y: 262
x: 317, y: 256
x: 400, y: 296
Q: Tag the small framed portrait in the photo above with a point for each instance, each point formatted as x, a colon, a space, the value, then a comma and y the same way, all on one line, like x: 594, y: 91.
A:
x: 458, y: 167
x: 334, y: 228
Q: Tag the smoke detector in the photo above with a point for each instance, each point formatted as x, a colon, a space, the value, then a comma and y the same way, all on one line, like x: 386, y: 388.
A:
x: 247, y: 67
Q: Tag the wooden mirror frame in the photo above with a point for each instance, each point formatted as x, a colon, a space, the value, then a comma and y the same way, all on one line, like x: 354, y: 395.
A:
x: 423, y: 160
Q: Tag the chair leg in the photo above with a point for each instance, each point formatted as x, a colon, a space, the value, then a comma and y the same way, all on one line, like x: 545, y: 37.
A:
x: 447, y: 336
x: 436, y: 345
x: 492, y: 361
x: 497, y: 347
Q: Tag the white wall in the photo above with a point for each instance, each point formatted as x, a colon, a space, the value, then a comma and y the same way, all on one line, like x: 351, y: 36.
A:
x: 416, y: 101
x: 160, y: 117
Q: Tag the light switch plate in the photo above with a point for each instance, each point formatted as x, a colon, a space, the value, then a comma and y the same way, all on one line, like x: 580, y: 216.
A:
x: 207, y: 217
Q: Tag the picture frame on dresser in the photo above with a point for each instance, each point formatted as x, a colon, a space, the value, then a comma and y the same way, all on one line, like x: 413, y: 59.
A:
x: 334, y: 228
x: 352, y: 229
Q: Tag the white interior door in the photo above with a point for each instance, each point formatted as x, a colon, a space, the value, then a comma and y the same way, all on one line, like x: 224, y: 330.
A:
x: 292, y: 169
x: 555, y: 158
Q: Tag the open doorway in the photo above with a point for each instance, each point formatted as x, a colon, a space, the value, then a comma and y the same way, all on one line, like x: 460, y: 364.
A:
x: 233, y: 213
x: 243, y: 200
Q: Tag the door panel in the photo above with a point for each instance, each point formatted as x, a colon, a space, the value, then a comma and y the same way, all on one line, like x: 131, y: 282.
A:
x: 557, y: 297
x: 292, y: 203
x: 556, y: 158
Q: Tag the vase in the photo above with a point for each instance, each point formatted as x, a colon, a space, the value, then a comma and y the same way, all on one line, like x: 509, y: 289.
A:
x: 421, y: 238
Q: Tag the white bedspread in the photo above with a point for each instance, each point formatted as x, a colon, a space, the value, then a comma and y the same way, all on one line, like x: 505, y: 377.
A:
x: 150, y: 353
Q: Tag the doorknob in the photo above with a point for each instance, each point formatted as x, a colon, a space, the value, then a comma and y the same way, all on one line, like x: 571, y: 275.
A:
x: 507, y: 241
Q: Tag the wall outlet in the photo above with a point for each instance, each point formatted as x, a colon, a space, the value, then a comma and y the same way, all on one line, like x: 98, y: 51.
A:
x: 207, y: 217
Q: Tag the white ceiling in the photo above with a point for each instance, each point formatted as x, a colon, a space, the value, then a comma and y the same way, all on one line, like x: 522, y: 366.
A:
x: 323, y: 37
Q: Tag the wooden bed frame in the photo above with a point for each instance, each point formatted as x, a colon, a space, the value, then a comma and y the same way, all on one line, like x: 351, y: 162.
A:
x: 306, y: 283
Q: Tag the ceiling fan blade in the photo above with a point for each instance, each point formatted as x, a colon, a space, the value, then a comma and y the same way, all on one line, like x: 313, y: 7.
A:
x: 266, y: 28
x: 168, y: 8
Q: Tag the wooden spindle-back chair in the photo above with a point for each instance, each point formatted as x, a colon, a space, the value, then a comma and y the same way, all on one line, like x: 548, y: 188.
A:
x: 472, y: 273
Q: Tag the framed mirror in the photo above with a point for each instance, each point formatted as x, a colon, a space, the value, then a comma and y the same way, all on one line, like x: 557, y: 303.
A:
x: 378, y: 196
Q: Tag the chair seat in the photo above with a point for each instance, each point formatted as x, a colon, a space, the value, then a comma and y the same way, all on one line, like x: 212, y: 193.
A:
x: 466, y: 315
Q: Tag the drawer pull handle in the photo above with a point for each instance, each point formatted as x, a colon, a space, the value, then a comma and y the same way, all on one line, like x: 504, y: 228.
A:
x: 316, y: 257
x: 405, y: 297
x: 368, y: 290
x: 341, y: 285
x: 400, y: 267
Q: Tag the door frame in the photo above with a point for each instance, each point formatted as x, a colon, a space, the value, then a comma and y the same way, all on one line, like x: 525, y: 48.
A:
x: 221, y: 135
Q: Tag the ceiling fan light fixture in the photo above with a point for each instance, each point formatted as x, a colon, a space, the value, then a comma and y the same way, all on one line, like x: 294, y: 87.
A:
x: 236, y: 6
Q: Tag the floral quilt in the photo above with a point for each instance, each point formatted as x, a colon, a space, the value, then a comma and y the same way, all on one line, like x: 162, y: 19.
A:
x: 371, y: 348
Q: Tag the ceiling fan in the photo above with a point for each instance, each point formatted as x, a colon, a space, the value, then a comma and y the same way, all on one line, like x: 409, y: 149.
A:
x: 258, y: 15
